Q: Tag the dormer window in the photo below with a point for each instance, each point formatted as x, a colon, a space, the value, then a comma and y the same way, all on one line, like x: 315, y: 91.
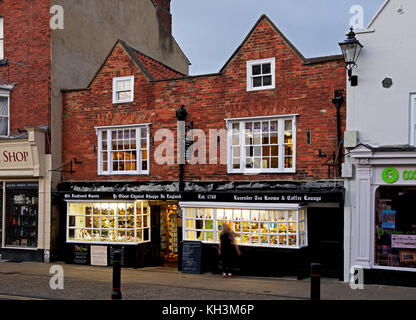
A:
x: 261, y: 74
x: 123, y: 89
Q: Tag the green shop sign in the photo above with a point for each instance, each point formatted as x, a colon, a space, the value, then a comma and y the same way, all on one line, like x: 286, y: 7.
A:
x: 391, y: 175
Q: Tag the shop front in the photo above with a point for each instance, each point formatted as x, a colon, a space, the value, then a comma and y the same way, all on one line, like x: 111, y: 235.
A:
x: 25, y: 197
x: 385, y: 226
x: 276, y: 231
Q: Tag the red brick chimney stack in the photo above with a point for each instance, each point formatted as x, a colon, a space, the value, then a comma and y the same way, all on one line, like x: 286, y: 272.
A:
x: 163, y: 11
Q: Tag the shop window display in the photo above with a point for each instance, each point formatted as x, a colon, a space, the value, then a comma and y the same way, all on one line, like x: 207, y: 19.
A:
x: 21, y: 218
x: 104, y: 222
x: 275, y: 228
x: 395, y: 238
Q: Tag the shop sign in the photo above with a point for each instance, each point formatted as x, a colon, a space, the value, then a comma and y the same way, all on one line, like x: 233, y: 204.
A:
x: 99, y: 256
x: 388, y: 219
x: 403, y: 241
x: 295, y: 197
x: 81, y: 254
x: 12, y: 157
x: 392, y: 175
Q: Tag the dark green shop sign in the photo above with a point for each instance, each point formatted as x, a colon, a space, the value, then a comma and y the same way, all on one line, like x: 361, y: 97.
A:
x: 391, y: 175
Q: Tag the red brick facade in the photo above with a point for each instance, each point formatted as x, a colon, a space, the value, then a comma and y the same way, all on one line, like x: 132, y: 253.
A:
x: 27, y: 49
x: 302, y: 86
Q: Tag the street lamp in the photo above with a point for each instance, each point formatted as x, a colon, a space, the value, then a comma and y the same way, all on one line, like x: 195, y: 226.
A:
x: 351, y: 49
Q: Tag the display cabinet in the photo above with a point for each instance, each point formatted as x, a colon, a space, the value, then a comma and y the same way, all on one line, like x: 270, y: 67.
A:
x: 22, y: 218
x: 272, y: 225
x: 108, y: 222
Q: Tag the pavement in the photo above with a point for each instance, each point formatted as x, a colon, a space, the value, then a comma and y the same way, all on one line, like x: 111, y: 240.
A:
x: 31, y: 281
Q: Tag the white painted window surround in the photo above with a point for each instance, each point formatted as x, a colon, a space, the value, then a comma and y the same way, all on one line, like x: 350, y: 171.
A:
x: 261, y: 74
x: 123, y: 150
x: 262, y: 144
x: 4, y: 113
x: 123, y: 89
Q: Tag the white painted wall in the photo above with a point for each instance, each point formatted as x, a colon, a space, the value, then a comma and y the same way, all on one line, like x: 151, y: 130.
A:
x: 382, y: 116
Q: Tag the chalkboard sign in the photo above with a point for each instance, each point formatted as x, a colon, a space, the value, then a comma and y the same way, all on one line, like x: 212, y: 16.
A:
x: 191, y: 257
x: 122, y: 255
x: 81, y: 254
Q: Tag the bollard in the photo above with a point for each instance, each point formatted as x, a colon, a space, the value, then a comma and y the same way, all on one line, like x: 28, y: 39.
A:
x: 116, y: 294
x: 315, y: 281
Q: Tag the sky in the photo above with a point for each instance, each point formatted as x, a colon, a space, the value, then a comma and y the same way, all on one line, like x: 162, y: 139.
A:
x: 209, y: 31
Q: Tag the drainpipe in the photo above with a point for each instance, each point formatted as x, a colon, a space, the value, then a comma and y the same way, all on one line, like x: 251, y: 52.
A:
x: 338, y: 100
x: 181, y: 116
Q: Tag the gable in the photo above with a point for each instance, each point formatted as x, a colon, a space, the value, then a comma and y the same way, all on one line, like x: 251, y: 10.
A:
x: 264, y: 38
x: 151, y: 68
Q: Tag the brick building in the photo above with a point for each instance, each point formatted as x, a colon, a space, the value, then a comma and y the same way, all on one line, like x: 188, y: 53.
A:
x: 36, y: 62
x: 264, y: 133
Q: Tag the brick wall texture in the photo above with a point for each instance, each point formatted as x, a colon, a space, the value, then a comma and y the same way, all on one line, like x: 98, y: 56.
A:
x: 27, y: 47
x: 304, y: 89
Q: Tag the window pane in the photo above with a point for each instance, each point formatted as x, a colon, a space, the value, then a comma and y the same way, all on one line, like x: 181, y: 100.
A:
x: 236, y: 163
x: 274, y: 163
x: 288, y: 162
x: 236, y: 152
x: 124, y: 95
x: 288, y: 125
x: 4, y: 125
x: 256, y: 69
x: 236, y: 140
x: 267, y: 81
x: 266, y: 68
x: 257, y: 82
x: 144, y: 165
x: 288, y: 137
x: 289, y: 150
x: 273, y: 126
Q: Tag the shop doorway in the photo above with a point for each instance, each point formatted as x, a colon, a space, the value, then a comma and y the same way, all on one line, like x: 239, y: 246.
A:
x: 163, y: 247
x: 325, y: 240
x: 169, y: 233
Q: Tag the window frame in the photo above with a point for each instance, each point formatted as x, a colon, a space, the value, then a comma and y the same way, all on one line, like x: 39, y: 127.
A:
x: 281, y: 154
x: 6, y: 94
x: 269, y: 207
x: 250, y: 76
x: 139, y: 159
x: 115, y: 91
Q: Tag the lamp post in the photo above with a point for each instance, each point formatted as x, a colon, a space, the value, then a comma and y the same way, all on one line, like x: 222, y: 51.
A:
x: 351, y: 49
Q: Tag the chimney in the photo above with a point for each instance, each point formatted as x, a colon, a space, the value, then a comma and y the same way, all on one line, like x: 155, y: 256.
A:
x: 163, y: 12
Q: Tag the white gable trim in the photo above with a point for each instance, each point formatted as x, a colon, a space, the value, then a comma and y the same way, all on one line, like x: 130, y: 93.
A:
x: 377, y: 14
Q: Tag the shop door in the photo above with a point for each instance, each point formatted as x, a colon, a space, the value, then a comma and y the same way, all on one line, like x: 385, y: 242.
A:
x: 325, y: 239
x: 169, y: 234
x: 154, y: 245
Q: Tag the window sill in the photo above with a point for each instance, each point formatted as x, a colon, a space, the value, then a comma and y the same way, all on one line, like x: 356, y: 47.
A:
x: 115, y: 243
x: 19, y: 247
x: 123, y: 174
x: 260, y: 88
x: 248, y: 173
x: 122, y: 102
